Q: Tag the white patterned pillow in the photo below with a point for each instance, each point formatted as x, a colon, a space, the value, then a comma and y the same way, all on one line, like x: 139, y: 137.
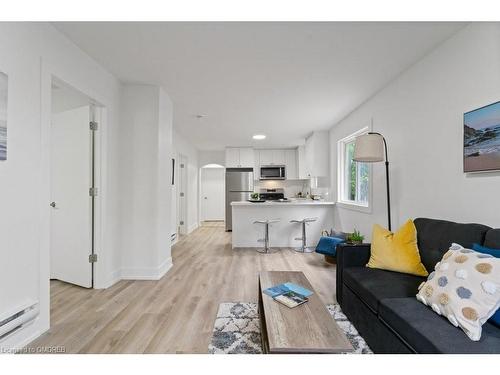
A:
x: 465, y: 288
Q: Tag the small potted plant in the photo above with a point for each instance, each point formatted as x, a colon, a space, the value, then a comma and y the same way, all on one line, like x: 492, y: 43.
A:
x: 254, y: 196
x: 355, y: 238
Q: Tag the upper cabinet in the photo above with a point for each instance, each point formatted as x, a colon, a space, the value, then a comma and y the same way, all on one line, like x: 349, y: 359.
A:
x: 288, y: 158
x: 266, y: 157
x: 272, y: 157
x: 301, y: 163
x: 310, y: 160
x: 232, y: 157
x: 247, y: 158
x: 291, y: 164
x: 240, y: 157
x: 256, y: 170
x: 317, y: 154
x: 279, y: 157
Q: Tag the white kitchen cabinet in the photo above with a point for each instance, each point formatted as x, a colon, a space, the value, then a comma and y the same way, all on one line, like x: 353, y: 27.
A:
x: 256, y: 169
x: 317, y: 154
x: 247, y: 158
x: 279, y: 157
x: 309, y: 152
x: 232, y: 157
x: 266, y: 157
x: 272, y: 157
x: 301, y: 163
x: 240, y: 157
x: 288, y: 158
x: 291, y: 164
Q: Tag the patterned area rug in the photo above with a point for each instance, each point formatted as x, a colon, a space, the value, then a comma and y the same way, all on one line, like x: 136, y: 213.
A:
x: 237, y: 330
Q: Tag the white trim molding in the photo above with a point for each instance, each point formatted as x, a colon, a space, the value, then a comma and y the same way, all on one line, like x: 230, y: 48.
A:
x: 192, y: 228
x: 147, y: 273
x: 352, y: 205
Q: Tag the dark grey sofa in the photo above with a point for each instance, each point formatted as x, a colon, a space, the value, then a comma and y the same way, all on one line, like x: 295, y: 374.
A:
x: 382, y: 304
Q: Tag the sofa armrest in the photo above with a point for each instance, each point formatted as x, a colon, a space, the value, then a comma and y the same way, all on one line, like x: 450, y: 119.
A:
x: 350, y: 256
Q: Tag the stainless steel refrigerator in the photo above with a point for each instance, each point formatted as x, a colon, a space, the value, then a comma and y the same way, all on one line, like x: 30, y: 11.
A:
x: 239, y: 186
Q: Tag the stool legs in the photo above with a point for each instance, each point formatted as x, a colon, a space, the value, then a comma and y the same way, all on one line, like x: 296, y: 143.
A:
x: 303, y: 248
x: 267, y: 249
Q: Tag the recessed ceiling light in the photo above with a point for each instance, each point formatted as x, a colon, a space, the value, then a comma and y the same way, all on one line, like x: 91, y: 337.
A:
x: 259, y: 137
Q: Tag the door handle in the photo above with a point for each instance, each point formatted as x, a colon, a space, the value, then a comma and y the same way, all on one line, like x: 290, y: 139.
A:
x: 206, y: 198
x: 53, y: 204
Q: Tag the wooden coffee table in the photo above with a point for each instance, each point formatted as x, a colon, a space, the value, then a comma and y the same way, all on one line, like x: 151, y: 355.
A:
x: 308, y: 328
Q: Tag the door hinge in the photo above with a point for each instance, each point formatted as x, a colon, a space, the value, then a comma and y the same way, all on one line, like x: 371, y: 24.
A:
x: 93, y: 192
x: 93, y: 125
x: 92, y: 258
x: 181, y: 194
x: 182, y: 165
x: 181, y: 222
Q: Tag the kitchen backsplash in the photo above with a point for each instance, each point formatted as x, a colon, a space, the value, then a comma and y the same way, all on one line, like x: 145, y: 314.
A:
x: 291, y: 187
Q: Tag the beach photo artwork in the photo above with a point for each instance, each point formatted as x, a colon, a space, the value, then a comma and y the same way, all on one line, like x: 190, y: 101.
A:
x: 482, y: 139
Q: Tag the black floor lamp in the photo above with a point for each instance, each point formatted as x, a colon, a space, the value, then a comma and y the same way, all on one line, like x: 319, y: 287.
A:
x: 372, y: 148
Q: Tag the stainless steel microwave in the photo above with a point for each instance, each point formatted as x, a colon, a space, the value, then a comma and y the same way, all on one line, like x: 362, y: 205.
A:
x: 273, y: 172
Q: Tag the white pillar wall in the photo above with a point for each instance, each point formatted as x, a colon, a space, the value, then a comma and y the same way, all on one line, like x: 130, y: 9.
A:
x: 146, y: 142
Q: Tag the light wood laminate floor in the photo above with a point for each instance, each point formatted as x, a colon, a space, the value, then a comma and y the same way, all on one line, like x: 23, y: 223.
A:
x: 175, y: 314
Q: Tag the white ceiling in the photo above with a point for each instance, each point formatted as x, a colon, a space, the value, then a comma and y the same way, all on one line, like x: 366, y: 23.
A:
x: 281, y: 79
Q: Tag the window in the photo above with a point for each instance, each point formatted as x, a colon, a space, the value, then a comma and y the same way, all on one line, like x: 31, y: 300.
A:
x: 353, y: 178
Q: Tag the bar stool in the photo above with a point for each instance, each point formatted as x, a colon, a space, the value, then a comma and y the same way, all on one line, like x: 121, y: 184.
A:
x: 266, y: 249
x: 304, y: 248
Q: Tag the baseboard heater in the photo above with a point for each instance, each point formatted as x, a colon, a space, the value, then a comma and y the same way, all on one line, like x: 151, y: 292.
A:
x: 18, y: 318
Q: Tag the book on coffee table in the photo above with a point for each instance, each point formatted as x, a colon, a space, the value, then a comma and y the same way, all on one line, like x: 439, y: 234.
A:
x: 291, y: 299
x: 285, y: 288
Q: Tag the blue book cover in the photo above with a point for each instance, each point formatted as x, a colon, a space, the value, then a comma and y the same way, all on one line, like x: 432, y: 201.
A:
x: 280, y: 289
x: 276, y: 290
x: 298, y: 289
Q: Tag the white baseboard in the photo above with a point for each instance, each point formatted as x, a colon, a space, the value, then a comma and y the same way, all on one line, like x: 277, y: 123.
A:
x: 165, y: 267
x: 192, y: 227
x: 113, y: 278
x: 147, y: 273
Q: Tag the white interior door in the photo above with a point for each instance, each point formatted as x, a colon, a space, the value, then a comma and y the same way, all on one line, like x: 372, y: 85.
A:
x: 175, y: 208
x: 71, y: 211
x: 212, y: 193
x: 182, y: 194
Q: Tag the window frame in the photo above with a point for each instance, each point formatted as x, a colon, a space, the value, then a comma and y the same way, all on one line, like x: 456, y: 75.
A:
x: 341, y: 163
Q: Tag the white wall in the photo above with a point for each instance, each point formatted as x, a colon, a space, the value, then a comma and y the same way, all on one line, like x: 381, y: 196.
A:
x: 30, y: 53
x: 421, y: 115
x: 182, y: 146
x: 164, y: 180
x: 145, y: 141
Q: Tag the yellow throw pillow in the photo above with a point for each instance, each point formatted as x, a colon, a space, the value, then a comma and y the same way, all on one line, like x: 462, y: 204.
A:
x: 396, y: 251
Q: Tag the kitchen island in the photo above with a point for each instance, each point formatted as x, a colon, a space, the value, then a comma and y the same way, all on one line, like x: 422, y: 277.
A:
x: 282, y: 234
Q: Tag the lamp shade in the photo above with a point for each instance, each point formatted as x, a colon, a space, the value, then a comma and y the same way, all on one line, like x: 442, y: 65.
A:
x: 369, y: 148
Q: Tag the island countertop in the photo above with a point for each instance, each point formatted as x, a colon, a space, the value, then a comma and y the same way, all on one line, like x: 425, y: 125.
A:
x: 298, y: 202
x: 285, y: 232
